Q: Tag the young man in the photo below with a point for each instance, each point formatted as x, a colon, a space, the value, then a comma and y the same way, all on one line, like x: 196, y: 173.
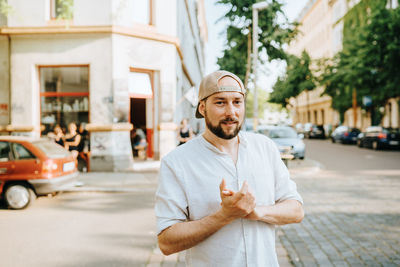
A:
x: 221, y: 194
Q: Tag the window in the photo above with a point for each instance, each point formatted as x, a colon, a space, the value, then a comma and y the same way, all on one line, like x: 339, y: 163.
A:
x: 5, y: 151
x: 61, y: 9
x: 143, y: 11
x: 64, y: 95
x: 20, y: 152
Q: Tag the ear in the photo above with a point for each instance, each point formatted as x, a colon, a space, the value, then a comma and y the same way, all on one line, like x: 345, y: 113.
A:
x: 202, y: 107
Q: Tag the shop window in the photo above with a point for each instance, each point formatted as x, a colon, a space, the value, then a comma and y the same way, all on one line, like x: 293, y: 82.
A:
x: 64, y: 96
x: 143, y: 11
x: 61, y: 9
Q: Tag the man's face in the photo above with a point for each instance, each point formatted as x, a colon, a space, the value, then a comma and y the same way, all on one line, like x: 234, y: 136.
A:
x: 224, y: 113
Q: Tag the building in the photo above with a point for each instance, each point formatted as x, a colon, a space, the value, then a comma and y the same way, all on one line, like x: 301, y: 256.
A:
x: 321, y: 34
x: 107, y: 63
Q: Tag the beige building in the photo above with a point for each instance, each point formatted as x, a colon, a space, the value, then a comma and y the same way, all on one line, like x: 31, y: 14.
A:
x: 321, y: 36
x: 113, y: 64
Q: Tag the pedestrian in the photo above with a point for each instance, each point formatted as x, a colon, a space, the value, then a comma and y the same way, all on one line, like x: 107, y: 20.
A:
x: 221, y: 195
x: 185, y: 132
x: 57, y: 135
x: 72, y: 139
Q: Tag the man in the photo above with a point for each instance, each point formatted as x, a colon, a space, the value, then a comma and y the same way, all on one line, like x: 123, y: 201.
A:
x: 221, y: 194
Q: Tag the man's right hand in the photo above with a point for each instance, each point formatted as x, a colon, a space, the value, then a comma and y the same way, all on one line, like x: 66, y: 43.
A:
x: 236, y: 205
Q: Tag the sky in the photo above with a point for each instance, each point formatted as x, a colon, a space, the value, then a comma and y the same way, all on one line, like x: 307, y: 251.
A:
x: 216, y: 40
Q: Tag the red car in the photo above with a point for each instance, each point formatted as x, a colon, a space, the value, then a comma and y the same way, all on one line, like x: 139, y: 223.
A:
x: 31, y: 167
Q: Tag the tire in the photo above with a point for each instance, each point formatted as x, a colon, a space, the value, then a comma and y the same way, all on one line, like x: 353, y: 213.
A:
x: 375, y: 145
x: 18, y: 196
x: 359, y: 143
x: 333, y: 140
x: 302, y: 158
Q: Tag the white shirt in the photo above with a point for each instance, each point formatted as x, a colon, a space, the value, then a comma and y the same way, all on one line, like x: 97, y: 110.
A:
x: 189, y: 190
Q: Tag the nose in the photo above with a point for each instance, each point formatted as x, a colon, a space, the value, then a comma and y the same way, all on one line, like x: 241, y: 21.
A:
x: 229, y: 109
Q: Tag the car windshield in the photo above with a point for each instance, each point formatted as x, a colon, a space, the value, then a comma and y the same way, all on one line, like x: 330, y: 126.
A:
x: 51, y: 149
x: 280, y: 133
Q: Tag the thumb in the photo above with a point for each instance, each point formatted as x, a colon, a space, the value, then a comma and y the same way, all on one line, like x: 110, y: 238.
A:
x: 222, y: 185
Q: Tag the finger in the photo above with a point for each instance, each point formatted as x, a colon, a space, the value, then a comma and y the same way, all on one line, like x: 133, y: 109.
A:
x: 227, y: 192
x: 222, y: 185
x: 245, y: 188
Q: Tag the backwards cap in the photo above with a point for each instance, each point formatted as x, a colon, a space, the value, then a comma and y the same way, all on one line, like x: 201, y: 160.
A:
x: 209, y: 86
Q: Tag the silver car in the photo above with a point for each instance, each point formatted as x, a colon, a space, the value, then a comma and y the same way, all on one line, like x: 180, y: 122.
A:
x: 286, y: 139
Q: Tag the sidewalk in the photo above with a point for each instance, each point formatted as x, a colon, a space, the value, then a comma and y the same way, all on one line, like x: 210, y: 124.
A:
x: 144, y: 179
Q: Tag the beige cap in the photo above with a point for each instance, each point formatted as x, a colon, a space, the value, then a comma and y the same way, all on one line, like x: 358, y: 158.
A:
x: 209, y: 86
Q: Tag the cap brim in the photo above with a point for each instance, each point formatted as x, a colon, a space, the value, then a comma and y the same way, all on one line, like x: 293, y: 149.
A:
x: 198, y: 115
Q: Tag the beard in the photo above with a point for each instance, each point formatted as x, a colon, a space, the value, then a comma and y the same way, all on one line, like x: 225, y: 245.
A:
x: 218, y: 131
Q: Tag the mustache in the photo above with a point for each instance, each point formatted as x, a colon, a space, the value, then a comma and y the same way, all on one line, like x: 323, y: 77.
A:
x: 229, y: 120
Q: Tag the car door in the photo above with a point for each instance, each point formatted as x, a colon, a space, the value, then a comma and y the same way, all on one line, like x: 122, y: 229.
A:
x: 6, y: 161
x: 27, y: 165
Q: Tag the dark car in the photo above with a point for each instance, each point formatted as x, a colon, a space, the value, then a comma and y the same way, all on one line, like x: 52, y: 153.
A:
x: 345, y: 135
x: 377, y: 137
x: 30, y: 167
x: 317, y: 131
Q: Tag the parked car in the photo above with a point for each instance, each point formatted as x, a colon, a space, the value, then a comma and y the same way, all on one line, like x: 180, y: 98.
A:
x: 307, y: 127
x: 286, y: 139
x: 377, y: 137
x: 345, y: 135
x: 31, y: 167
x: 317, y: 131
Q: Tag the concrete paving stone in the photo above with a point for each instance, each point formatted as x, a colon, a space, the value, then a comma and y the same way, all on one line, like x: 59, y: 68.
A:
x: 340, y: 263
x: 355, y: 262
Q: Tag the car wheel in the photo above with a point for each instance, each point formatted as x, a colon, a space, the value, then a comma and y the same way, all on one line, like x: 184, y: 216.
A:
x: 333, y: 140
x: 18, y: 196
x: 375, y: 145
x: 359, y: 143
x: 301, y: 158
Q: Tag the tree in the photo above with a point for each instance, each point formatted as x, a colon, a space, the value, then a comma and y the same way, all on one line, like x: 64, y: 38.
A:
x: 275, y: 32
x: 262, y: 96
x: 298, y: 78
x: 5, y: 9
x: 368, y: 62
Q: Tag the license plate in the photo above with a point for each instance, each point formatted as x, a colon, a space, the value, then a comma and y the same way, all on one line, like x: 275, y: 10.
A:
x: 69, y: 166
x: 394, y: 143
x: 354, y: 138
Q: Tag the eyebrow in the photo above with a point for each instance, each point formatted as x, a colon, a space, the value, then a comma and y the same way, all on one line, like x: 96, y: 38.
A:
x: 225, y: 98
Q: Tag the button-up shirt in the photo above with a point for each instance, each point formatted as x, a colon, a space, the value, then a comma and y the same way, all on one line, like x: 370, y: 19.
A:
x: 189, y: 190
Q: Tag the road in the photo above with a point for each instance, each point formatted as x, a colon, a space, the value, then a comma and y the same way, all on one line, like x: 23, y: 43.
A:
x: 352, y: 217
x: 352, y: 206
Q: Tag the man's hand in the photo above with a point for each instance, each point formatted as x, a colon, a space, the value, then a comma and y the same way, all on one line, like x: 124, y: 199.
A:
x: 236, y: 205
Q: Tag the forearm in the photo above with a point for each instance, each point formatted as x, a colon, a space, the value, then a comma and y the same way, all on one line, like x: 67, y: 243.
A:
x: 182, y: 236
x: 285, y: 212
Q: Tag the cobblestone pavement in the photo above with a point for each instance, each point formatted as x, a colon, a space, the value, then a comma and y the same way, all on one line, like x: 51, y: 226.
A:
x: 352, y: 219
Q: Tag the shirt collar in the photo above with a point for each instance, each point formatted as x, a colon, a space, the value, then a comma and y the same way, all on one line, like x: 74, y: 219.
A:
x: 242, y: 142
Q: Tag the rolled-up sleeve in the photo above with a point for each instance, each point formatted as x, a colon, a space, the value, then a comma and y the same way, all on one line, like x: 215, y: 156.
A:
x: 285, y: 188
x: 171, y: 201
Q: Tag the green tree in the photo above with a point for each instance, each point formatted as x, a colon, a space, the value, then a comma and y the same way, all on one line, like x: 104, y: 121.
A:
x: 275, y: 32
x: 5, y: 8
x: 298, y: 78
x: 262, y: 96
x: 368, y: 62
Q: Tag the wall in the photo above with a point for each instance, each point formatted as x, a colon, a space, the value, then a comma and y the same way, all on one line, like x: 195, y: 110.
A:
x: 4, y: 81
x: 28, y: 52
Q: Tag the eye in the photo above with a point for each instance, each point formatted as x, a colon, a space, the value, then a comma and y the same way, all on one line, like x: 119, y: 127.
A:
x: 219, y: 103
x: 238, y: 102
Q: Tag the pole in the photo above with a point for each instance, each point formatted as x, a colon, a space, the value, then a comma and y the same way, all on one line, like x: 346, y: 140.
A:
x: 255, y: 8
x: 355, y: 107
x: 255, y: 58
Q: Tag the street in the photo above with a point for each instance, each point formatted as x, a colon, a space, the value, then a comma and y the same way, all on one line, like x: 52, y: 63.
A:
x: 352, y: 208
x: 351, y: 203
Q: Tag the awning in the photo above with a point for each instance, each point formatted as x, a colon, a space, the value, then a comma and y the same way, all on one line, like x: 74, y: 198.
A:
x: 139, y: 85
